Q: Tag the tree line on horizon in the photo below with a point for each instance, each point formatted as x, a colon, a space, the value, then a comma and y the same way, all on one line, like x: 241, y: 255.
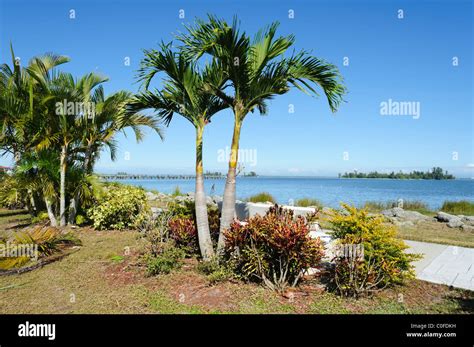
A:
x: 436, y: 173
x: 215, y: 66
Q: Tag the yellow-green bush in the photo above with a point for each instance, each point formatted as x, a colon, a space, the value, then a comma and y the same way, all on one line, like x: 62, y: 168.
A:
x: 383, y: 261
x: 121, y: 207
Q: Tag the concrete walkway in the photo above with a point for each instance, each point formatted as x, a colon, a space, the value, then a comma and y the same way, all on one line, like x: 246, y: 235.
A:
x: 451, y: 265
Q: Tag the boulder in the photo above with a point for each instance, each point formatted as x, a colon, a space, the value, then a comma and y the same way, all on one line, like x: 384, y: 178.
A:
x: 156, y: 211
x: 455, y: 223
x: 466, y: 227
x: 398, y: 214
x: 469, y: 220
x: 151, y: 196
x: 445, y: 217
x: 452, y: 220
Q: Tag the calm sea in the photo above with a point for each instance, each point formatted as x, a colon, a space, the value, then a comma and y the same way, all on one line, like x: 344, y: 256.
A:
x: 330, y: 191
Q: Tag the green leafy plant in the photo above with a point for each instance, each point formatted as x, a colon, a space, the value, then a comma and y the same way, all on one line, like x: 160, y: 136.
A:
x: 384, y: 261
x: 121, y: 207
x: 170, y: 258
x: 41, y: 217
x: 81, y: 220
x: 216, y: 271
x: 274, y: 249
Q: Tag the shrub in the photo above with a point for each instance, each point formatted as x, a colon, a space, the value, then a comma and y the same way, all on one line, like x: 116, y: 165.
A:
x: 41, y: 217
x: 183, y: 232
x: 121, y: 207
x: 463, y: 207
x: 47, y: 240
x: 187, y: 210
x: 216, y: 271
x: 155, y: 230
x: 169, y: 259
x: 306, y: 202
x: 262, y: 197
x: 12, y: 194
x: 80, y: 220
x: 274, y: 249
x: 383, y: 261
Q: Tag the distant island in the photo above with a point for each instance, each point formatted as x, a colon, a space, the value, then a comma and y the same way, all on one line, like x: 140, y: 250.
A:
x: 436, y: 173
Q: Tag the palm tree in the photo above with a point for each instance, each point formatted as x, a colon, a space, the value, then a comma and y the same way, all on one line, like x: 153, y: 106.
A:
x: 39, y: 170
x: 99, y: 131
x: 184, y: 93
x: 21, y: 106
x: 258, y: 71
x: 65, y: 122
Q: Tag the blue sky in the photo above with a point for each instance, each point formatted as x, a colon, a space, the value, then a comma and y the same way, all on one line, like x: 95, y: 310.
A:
x: 405, y: 60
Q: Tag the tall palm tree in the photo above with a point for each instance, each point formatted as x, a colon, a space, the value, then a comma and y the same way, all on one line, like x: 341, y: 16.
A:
x: 258, y: 71
x: 184, y: 93
x: 100, y: 130
x: 21, y: 105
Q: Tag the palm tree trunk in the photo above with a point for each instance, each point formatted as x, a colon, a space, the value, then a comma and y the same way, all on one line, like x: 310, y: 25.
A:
x: 49, y: 209
x: 202, y: 221
x: 62, y: 188
x: 74, y: 203
x: 228, y: 202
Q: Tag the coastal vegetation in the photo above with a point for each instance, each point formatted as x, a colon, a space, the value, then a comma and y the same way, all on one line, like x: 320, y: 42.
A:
x: 308, y: 202
x: 463, y: 207
x: 262, y: 197
x: 411, y: 205
x: 436, y: 173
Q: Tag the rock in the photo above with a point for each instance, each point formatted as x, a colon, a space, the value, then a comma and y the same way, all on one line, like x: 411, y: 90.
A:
x: 398, y: 214
x: 452, y: 220
x: 466, y: 227
x: 326, y: 210
x: 469, y: 220
x: 445, y: 217
x: 455, y: 223
x: 156, y: 211
x: 151, y: 196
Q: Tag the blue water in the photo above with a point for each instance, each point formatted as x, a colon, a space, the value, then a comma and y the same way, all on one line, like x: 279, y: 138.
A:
x: 330, y: 191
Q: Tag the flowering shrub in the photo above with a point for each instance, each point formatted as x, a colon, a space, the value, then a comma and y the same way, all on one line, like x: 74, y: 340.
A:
x: 120, y: 207
x: 383, y: 261
x: 274, y: 249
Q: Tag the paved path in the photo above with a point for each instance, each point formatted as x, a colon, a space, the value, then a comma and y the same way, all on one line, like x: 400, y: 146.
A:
x: 451, y: 265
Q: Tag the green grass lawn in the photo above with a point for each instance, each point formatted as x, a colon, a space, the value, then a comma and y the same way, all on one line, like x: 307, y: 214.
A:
x: 102, y: 278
